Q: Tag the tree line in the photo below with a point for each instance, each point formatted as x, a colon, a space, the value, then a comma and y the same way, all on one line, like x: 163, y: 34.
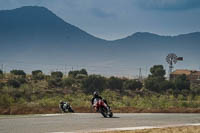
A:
x: 155, y: 82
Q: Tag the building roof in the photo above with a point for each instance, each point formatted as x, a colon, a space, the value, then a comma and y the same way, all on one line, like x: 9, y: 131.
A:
x: 185, y: 71
x: 181, y: 71
x: 196, y: 73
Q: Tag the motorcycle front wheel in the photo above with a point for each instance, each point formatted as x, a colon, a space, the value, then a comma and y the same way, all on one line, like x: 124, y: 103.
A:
x: 103, y: 111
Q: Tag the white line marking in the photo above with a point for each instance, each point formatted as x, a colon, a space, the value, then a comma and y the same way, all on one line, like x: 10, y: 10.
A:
x: 52, y: 114
x: 194, y: 124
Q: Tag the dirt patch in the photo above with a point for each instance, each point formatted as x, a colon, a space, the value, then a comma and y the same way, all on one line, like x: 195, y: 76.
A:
x: 15, y: 110
x: 186, y: 129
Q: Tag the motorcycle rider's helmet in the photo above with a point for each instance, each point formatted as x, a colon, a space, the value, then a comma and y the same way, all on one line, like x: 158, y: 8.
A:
x: 95, y: 94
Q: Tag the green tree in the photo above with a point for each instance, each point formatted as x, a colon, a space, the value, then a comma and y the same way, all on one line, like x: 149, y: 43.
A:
x: 76, y: 73
x: 156, y: 81
x: 37, y: 75
x: 57, y: 75
x: 18, y: 72
x: 157, y: 71
x: 94, y: 83
x: 83, y: 71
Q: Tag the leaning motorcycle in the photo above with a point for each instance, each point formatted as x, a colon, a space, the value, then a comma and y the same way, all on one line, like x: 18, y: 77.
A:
x: 66, y: 108
x: 102, y: 108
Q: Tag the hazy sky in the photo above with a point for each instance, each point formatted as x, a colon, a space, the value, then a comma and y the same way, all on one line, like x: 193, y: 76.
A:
x: 114, y: 19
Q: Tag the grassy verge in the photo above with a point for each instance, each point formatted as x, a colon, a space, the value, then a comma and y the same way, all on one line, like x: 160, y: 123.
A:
x: 186, y: 129
x: 121, y: 103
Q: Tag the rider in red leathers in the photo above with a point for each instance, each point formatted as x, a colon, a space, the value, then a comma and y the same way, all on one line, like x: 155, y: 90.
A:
x: 96, y: 96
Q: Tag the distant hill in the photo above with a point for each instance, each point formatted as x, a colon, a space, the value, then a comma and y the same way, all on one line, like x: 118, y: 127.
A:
x: 35, y: 34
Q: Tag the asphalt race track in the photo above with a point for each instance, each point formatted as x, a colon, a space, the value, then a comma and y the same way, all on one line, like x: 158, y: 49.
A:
x: 87, y: 122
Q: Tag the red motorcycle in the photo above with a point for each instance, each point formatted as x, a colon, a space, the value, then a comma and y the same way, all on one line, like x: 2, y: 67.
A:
x: 102, y: 108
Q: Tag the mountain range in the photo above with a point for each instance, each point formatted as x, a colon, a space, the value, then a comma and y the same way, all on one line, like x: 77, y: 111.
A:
x: 35, y: 35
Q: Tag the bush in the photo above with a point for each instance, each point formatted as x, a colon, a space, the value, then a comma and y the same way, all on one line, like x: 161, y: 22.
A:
x: 14, y: 83
x: 195, y: 89
x: 55, y: 83
x: 68, y: 82
x: 2, y: 85
x: 132, y: 85
x: 37, y: 75
x: 94, y: 83
x: 166, y: 85
x: 1, y: 72
x: 81, y: 76
x: 6, y: 100
x: 153, y: 84
x: 75, y: 73
x: 56, y: 75
x: 115, y: 83
x: 21, y: 80
x: 18, y: 72
x: 182, y: 83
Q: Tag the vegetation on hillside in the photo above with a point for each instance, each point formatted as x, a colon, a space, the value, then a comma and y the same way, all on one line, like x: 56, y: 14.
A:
x: 39, y: 90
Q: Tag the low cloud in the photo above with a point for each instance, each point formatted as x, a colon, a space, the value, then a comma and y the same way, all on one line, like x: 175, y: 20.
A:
x: 169, y: 4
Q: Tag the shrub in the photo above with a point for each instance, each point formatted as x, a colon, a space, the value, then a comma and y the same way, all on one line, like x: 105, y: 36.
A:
x: 6, y: 100
x: 1, y: 72
x: 182, y: 83
x: 81, y: 76
x: 37, y: 75
x: 152, y: 83
x: 18, y: 72
x: 54, y: 83
x: 21, y: 80
x: 94, y: 83
x: 83, y: 71
x: 166, y: 85
x: 195, y: 89
x: 75, y: 73
x: 115, y: 83
x: 68, y: 82
x: 132, y: 85
x: 56, y: 75
x: 2, y: 85
x: 14, y: 83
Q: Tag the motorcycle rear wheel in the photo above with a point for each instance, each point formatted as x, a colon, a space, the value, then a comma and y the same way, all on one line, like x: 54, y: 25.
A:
x: 111, y: 114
